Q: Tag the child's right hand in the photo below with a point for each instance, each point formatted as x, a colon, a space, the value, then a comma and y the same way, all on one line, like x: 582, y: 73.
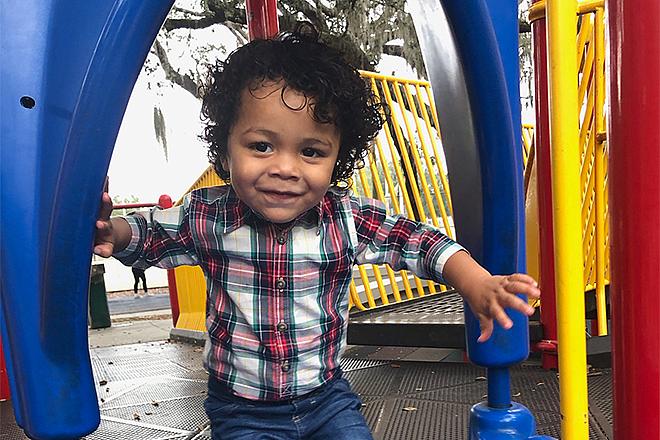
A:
x: 104, y: 239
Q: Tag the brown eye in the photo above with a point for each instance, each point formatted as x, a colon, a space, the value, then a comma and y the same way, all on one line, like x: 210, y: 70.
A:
x: 311, y: 152
x: 261, y: 147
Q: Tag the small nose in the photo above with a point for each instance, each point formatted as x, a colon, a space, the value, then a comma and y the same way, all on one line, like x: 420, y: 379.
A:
x: 285, y: 166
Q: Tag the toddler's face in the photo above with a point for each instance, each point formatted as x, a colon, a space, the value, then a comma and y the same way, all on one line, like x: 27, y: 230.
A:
x: 280, y: 160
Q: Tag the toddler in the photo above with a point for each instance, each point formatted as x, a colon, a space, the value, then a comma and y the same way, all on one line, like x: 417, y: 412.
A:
x: 288, y: 121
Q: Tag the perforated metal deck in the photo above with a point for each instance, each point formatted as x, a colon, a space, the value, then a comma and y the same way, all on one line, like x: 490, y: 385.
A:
x: 432, y: 320
x: 155, y: 392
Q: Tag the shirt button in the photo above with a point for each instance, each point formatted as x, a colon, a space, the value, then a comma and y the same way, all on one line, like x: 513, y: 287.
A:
x: 285, y: 366
x: 281, y: 326
x: 280, y: 283
x: 281, y: 239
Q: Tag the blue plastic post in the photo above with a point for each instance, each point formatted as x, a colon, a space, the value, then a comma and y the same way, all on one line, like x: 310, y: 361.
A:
x: 68, y: 71
x: 501, y: 165
x: 489, y: 59
x: 499, y: 387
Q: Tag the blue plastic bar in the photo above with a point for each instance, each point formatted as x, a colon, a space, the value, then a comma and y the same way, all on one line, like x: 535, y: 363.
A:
x: 68, y: 69
x: 489, y: 61
x: 500, y: 160
x: 499, y: 387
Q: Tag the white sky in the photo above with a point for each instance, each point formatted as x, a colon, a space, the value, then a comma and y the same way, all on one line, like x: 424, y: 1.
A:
x: 138, y: 166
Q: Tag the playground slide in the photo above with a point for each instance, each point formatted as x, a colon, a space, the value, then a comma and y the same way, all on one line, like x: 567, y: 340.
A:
x: 68, y: 71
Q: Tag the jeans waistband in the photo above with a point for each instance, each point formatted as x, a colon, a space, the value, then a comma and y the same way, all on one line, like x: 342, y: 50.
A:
x: 218, y: 387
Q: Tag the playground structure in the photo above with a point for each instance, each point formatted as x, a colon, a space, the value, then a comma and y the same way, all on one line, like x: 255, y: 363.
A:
x: 53, y: 175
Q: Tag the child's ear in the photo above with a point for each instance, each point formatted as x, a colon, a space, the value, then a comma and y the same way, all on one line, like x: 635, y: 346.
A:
x: 224, y: 164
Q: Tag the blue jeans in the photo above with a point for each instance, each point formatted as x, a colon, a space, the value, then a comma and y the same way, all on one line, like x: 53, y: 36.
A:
x: 330, y: 412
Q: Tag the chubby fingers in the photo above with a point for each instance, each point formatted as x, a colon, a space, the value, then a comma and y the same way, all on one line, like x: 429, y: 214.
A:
x: 512, y: 301
x: 106, y: 207
x: 486, y: 326
x: 522, y: 283
x: 507, y: 297
x: 498, y: 314
x: 103, y: 250
x: 494, y: 311
x: 103, y: 243
x: 103, y: 227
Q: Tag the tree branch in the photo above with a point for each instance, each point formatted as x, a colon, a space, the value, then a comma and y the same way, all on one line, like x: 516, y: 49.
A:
x: 524, y: 27
x: 190, y: 23
x: 235, y: 15
x: 186, y: 11
x: 185, y: 81
x: 238, y: 30
x: 293, y: 7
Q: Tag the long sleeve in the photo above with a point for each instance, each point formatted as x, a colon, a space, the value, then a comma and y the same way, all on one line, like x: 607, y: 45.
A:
x: 162, y: 238
x: 400, y: 242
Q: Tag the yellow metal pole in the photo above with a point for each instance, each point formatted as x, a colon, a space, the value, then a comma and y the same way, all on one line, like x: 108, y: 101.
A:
x: 429, y: 130
x: 562, y: 27
x: 600, y: 172
x: 441, y: 173
x: 355, y: 297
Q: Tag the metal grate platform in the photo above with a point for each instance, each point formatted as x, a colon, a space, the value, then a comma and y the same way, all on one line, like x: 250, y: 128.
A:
x: 432, y: 320
x: 424, y: 400
x: 155, y: 392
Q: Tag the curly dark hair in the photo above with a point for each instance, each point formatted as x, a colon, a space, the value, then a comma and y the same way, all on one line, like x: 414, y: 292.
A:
x: 305, y: 64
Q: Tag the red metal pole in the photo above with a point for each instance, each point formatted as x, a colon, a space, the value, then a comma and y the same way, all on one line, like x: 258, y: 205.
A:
x: 634, y: 173
x: 261, y: 18
x: 174, y: 295
x: 544, y: 190
x: 4, y: 379
x: 165, y: 201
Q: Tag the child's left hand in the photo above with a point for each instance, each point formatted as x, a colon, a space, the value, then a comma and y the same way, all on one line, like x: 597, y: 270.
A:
x: 488, y: 295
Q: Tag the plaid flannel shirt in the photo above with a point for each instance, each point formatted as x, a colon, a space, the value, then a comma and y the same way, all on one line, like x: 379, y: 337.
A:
x: 277, y: 300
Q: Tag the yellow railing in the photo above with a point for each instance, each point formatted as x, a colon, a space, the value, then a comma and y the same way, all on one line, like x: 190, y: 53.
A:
x: 406, y: 172
x: 591, y: 96
x: 527, y: 142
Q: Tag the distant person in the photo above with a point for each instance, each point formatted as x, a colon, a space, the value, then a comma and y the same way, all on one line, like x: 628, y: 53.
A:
x: 288, y: 121
x: 138, y: 274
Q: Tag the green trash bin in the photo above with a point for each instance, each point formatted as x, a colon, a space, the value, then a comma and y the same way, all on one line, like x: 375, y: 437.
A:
x: 99, y: 315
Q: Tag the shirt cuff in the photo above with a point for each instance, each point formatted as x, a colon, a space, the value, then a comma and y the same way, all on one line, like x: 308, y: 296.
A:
x: 135, y: 244
x: 442, y: 254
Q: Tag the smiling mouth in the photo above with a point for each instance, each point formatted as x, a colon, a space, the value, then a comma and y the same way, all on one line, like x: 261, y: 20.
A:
x: 280, y: 195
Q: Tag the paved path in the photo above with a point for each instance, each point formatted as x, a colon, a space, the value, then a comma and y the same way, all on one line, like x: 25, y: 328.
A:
x: 129, y: 304
x: 130, y: 331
